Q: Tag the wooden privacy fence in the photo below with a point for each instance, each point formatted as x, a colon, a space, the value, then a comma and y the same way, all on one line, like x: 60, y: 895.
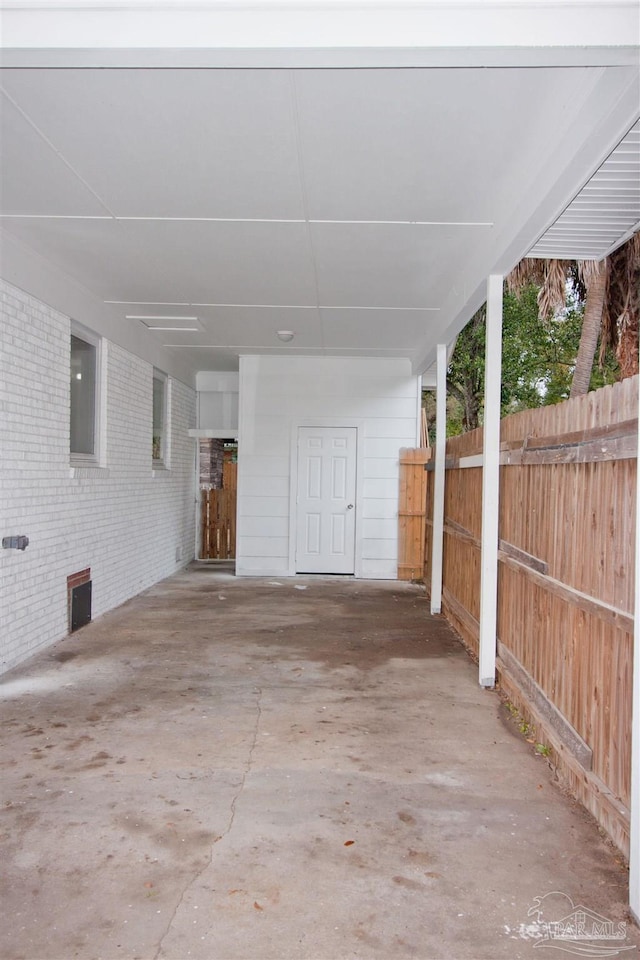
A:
x: 565, y: 584
x: 412, y: 512
x: 218, y: 518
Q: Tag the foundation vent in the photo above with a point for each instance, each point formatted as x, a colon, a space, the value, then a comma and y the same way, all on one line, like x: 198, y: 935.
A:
x: 79, y: 599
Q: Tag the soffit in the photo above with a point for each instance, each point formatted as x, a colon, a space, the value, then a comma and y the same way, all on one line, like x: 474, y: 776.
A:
x: 604, y: 213
x: 359, y: 199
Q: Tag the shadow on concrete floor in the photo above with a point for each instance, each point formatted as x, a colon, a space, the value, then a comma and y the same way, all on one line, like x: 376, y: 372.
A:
x: 302, y: 768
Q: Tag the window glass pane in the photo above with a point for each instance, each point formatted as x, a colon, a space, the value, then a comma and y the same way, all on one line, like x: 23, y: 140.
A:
x: 83, y: 396
x: 159, y: 384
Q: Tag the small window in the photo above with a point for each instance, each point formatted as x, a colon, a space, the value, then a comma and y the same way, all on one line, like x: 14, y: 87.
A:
x: 159, y: 444
x: 84, y: 396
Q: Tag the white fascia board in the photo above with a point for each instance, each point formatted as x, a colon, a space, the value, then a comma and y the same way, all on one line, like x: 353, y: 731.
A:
x: 316, y: 24
x: 305, y: 58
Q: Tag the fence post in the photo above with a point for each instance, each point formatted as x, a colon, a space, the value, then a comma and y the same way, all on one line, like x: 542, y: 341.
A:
x: 490, y: 484
x: 634, y: 802
x: 437, y: 541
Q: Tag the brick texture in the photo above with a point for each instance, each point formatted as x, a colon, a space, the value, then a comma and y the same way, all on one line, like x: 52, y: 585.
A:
x: 211, y: 463
x: 77, y: 579
x: 130, y: 524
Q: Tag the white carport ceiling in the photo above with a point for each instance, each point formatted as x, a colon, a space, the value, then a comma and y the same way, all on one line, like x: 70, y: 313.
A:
x: 361, y: 205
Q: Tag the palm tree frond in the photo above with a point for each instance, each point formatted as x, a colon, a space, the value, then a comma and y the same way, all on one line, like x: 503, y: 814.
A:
x: 529, y: 271
x: 609, y: 289
x: 550, y: 276
x: 552, y: 297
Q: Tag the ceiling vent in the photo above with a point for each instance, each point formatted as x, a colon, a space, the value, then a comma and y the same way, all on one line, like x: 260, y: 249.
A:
x: 604, y: 214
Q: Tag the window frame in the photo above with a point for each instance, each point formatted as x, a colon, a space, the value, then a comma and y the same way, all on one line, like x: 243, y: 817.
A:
x: 88, y: 336
x: 161, y: 462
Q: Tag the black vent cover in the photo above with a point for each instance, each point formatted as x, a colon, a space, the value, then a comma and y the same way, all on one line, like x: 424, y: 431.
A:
x: 80, y: 605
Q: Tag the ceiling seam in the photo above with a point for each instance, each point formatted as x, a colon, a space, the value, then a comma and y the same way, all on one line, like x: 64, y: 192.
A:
x: 57, y: 152
x: 608, y: 63
x: 308, y: 220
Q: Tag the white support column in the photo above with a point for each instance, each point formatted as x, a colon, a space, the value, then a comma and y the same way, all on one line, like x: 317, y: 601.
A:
x: 634, y: 811
x: 490, y: 484
x: 437, y: 540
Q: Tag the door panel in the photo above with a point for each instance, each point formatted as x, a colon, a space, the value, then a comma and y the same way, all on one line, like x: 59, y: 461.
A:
x: 338, y: 539
x: 325, y: 540
x: 312, y: 544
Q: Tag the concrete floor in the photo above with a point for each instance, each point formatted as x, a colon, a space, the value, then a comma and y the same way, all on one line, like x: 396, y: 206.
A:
x: 308, y: 769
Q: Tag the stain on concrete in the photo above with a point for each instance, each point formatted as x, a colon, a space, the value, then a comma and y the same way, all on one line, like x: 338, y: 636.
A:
x: 196, y: 758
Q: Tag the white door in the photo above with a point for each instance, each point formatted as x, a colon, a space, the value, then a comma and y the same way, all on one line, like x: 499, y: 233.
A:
x: 325, y: 541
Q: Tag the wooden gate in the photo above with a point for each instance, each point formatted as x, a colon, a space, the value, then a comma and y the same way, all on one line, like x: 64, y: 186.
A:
x: 412, y: 512
x: 218, y: 518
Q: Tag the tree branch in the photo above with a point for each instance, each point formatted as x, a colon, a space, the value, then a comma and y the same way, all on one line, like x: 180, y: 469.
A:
x: 457, y: 392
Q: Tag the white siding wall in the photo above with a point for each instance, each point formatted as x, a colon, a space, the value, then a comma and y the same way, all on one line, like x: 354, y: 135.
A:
x: 130, y: 527
x: 279, y: 393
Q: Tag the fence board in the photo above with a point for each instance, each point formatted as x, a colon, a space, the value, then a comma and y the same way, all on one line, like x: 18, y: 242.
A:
x: 218, y: 517
x: 412, y: 512
x: 218, y: 524
x: 566, y: 576
x: 229, y: 475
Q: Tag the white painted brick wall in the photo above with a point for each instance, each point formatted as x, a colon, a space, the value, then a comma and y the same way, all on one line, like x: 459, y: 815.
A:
x: 121, y: 520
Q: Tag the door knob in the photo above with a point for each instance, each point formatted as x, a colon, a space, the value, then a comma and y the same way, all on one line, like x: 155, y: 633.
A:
x: 349, y: 506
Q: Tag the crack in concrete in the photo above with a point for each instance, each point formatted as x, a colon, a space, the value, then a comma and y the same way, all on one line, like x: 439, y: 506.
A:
x: 225, y: 833
x: 249, y: 764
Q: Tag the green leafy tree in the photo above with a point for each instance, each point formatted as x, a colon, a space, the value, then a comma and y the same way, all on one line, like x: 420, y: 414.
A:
x: 538, y: 360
